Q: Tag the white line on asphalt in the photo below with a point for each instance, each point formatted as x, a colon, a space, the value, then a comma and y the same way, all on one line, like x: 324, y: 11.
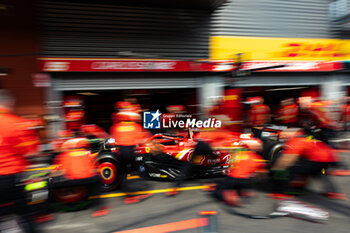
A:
x: 68, y: 225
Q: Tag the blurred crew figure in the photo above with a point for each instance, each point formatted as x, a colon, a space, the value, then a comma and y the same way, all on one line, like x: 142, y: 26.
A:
x: 346, y: 114
x: 119, y: 107
x: 305, y: 115
x: 93, y: 131
x: 305, y: 157
x: 134, y: 110
x: 288, y: 113
x: 16, y: 142
x: 206, y: 140
x: 75, y: 167
x: 37, y: 124
x: 259, y: 113
x: 62, y: 136
x: 74, y: 114
x: 135, y: 107
x: 128, y: 134
x: 325, y: 117
x: 246, y: 164
x: 56, y: 144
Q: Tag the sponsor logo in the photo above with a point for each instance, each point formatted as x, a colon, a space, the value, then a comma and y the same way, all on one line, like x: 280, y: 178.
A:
x: 192, y: 123
x: 300, y: 49
x: 213, y: 161
x: 157, y: 175
x: 157, y: 120
x: 137, y: 65
x: 151, y: 120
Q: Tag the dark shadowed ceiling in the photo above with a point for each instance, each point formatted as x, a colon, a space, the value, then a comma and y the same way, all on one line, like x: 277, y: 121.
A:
x: 185, y: 4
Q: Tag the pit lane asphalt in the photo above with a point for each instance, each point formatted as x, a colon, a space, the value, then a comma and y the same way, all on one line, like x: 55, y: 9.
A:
x: 159, y: 209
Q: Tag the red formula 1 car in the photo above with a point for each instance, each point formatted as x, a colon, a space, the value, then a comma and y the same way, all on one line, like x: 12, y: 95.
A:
x: 166, y: 154
x: 162, y: 157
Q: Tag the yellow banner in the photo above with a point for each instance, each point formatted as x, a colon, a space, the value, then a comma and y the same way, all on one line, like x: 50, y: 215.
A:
x: 267, y: 48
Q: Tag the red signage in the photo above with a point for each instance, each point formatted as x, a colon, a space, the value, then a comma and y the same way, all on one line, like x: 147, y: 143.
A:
x: 83, y: 65
x: 132, y: 65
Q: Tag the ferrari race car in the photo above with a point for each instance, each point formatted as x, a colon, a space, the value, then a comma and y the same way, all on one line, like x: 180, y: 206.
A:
x: 162, y: 158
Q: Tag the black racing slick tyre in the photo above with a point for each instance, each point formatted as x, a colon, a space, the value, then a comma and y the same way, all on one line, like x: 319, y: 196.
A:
x: 275, y: 153
x: 272, y: 150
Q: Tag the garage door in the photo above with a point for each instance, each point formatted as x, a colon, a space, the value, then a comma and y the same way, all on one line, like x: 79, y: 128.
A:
x: 287, y: 79
x: 122, y: 82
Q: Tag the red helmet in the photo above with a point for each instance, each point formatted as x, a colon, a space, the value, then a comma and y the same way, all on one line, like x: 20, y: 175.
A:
x: 35, y: 123
x: 65, y: 134
x: 123, y: 105
x: 74, y: 114
x: 176, y: 108
x: 254, y: 100
x: 75, y: 143
x: 73, y: 102
x: 127, y: 116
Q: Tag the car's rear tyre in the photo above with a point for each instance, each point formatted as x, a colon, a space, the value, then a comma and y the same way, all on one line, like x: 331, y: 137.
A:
x: 272, y: 150
x: 112, y: 174
x: 275, y: 153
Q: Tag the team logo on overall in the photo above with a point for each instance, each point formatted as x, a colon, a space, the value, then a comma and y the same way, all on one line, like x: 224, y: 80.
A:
x: 151, y: 120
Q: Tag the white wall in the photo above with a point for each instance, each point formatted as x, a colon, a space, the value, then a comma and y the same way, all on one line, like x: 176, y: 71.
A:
x: 210, y: 87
